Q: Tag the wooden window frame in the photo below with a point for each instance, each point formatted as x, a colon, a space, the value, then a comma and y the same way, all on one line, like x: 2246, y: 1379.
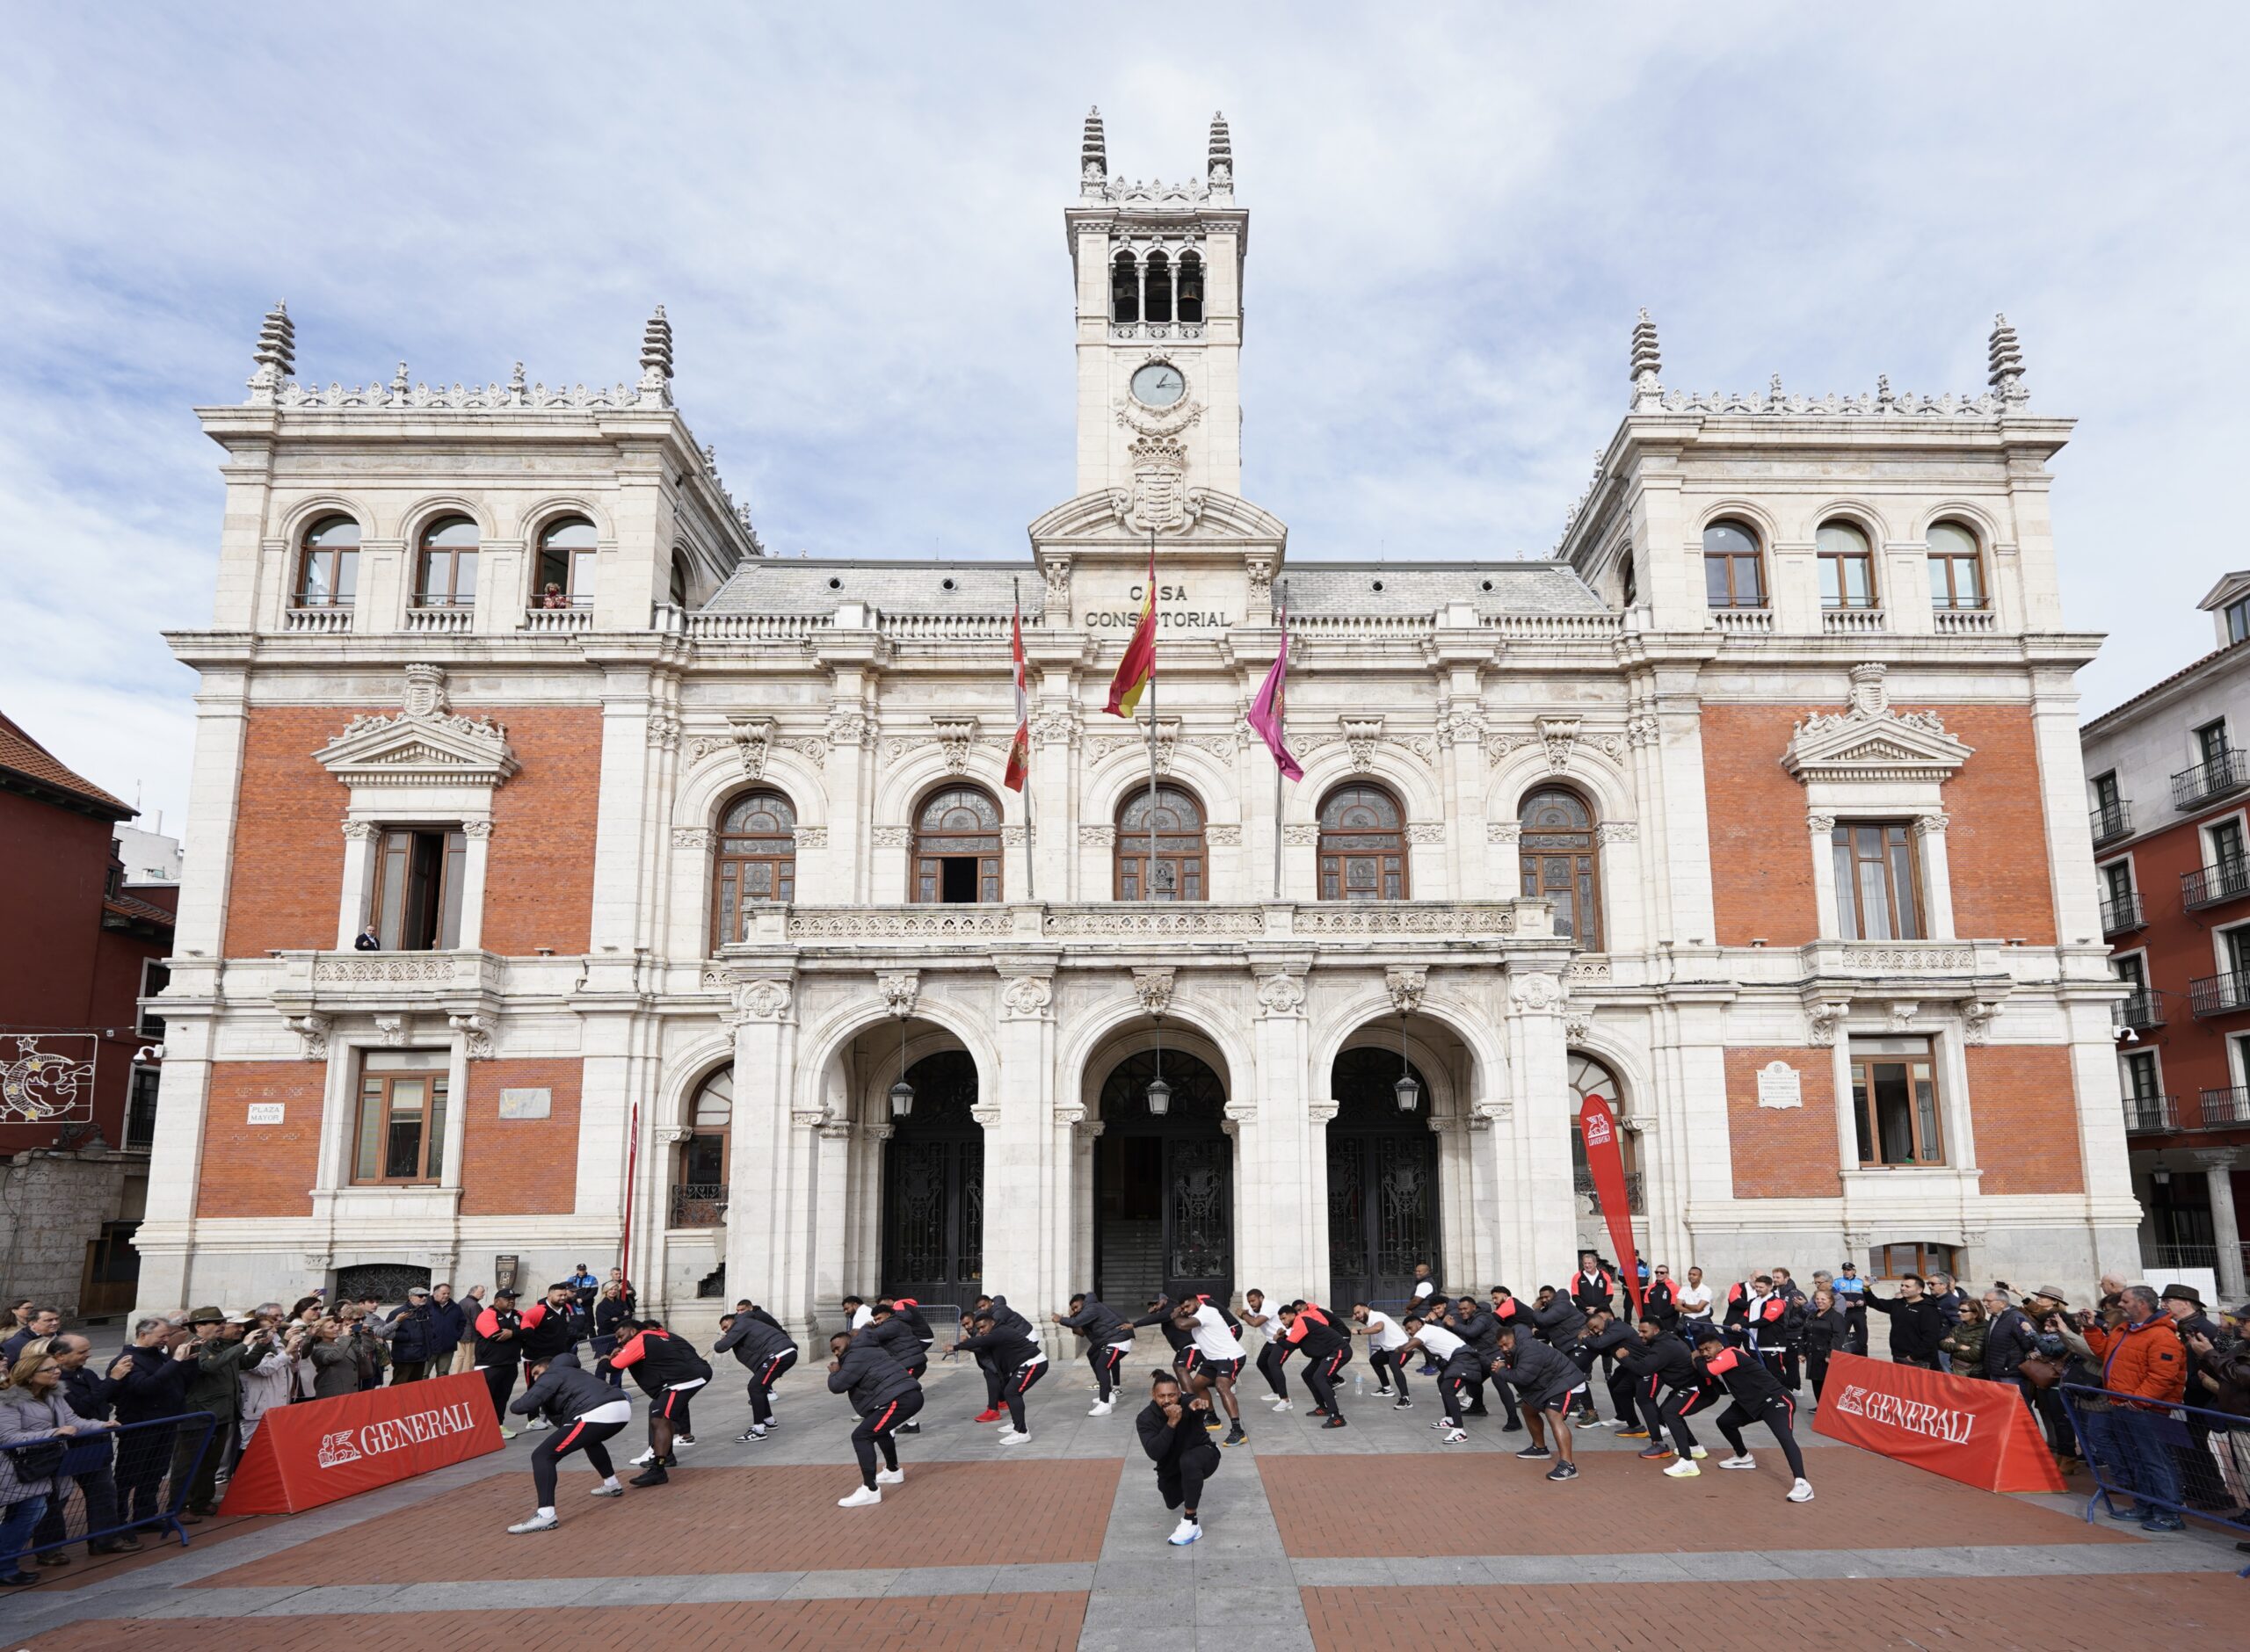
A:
x: 445, y: 899
x: 427, y: 557
x: 378, y: 1087
x: 308, y: 553
x: 1330, y: 854
x: 1921, y: 1122
x: 1533, y: 856
x: 991, y: 869
x: 1845, y: 848
x: 1928, y: 1258
x: 576, y: 560
x: 1733, y: 560
x: 1187, y: 853
x: 729, y: 905
x: 1835, y: 564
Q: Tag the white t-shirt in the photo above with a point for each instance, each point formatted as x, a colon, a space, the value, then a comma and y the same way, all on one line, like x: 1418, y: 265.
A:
x: 615, y: 1411
x: 1441, y: 1343
x: 1213, y: 1339
x: 862, y: 1317
x: 1384, y: 1331
x: 1424, y: 1289
x: 1695, y: 1300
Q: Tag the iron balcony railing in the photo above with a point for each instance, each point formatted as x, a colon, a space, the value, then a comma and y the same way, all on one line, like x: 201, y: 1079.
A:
x: 2220, y: 994
x: 2121, y: 913
x: 1634, y: 1205
x: 2140, y: 1009
x: 2207, y: 886
x: 2229, y: 771
x: 2112, y: 820
x: 2146, y: 1115
x: 2222, y: 1108
x: 699, y: 1204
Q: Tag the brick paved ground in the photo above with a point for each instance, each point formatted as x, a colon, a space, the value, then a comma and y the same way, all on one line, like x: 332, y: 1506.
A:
x: 944, y: 1625
x: 1486, y: 1503
x: 723, y: 1521
x: 1850, y: 1615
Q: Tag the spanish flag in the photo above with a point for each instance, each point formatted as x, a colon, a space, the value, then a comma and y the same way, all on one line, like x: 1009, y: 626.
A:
x: 1139, y: 665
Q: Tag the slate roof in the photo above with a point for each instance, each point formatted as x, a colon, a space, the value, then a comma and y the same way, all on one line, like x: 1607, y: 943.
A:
x: 24, y: 756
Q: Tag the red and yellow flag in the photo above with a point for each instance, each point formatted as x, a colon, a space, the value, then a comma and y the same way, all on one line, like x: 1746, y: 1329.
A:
x: 1139, y: 665
x: 1020, y: 747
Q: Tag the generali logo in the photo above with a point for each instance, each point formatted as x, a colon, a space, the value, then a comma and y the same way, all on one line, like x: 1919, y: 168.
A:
x: 1913, y: 1416
x: 416, y: 1428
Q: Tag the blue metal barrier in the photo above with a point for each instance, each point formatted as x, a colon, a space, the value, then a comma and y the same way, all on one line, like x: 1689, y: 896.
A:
x: 2188, y: 1462
x: 126, y: 1479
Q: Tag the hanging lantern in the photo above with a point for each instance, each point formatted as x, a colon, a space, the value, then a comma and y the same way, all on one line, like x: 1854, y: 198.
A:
x: 902, y: 1093
x: 1409, y: 1092
x: 1159, y: 1096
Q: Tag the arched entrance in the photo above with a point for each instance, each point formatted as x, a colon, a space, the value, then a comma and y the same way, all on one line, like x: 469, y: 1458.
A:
x: 1164, y: 1187
x: 1382, y: 1181
x: 1589, y: 1078
x: 934, y: 1186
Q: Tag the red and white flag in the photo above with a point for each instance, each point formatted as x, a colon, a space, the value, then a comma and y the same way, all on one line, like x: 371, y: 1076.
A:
x: 1018, y: 748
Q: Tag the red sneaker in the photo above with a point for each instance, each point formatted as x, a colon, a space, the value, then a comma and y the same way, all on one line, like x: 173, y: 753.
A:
x: 988, y: 1416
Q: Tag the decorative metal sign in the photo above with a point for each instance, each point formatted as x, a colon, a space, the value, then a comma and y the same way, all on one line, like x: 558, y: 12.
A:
x: 47, y: 1079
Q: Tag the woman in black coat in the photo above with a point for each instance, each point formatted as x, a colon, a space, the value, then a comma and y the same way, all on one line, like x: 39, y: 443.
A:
x: 1825, y: 1332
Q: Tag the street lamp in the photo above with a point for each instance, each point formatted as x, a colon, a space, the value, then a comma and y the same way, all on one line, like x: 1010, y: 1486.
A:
x: 1159, y: 1093
x: 1409, y: 1092
x: 902, y: 1093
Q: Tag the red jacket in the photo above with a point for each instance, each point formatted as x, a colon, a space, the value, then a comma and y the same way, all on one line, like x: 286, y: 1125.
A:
x: 2145, y: 1359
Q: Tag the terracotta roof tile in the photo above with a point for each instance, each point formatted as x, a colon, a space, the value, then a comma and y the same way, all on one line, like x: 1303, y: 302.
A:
x: 27, y: 757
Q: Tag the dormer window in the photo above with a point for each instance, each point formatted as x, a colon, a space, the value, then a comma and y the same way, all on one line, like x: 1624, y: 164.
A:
x: 2237, y: 621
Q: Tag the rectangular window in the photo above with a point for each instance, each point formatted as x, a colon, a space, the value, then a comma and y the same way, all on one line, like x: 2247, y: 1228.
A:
x: 2238, y: 619
x: 419, y: 873
x: 401, y: 1127
x: 156, y: 975
x: 1957, y: 582
x: 1877, y: 892
x: 2226, y: 843
x: 140, y: 1109
x: 2117, y: 883
x: 1733, y: 580
x: 2211, y: 741
x: 2105, y: 795
x: 1896, y: 1262
x: 2234, y: 945
x: 2140, y: 1075
x: 1894, y: 1099
x: 1847, y: 579
x: 2132, y: 970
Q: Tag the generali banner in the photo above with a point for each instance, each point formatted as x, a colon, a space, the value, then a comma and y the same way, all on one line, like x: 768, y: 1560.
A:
x: 1979, y: 1433
x: 317, y: 1451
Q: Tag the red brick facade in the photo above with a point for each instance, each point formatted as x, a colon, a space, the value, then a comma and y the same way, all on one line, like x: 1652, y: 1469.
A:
x: 260, y: 1170
x: 539, y: 885
x: 1996, y: 837
x: 2023, y: 1102
x: 515, y: 1167
x: 1782, y: 1152
x: 288, y: 868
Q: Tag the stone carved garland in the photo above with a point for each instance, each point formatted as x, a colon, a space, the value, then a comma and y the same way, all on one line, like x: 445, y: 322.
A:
x: 1282, y: 994
x: 1027, y: 996
x: 423, y: 743
x: 1406, y: 984
x: 1153, y: 987
x: 900, y: 991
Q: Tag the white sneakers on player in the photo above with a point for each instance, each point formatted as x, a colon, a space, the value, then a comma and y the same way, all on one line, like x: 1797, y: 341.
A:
x: 1281, y: 1405
x: 644, y: 1460
x: 1185, y: 1533
x: 1683, y: 1469
x: 1456, y: 1437
x: 890, y: 1476
x: 1740, y: 1460
x: 607, y: 1489
x: 1102, y: 1408
x: 865, y: 1497
x: 536, y: 1424
x: 545, y: 1520
x: 1801, y: 1492
x: 1015, y: 1438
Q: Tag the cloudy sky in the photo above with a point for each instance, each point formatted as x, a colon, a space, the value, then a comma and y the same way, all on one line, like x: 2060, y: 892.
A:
x: 853, y: 217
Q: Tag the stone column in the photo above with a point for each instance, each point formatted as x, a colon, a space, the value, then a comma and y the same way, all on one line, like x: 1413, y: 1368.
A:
x: 1026, y: 1257
x: 1937, y: 878
x: 769, y: 1203
x: 844, y: 862
x: 359, y: 837
x: 831, y: 1217
x: 866, y: 1204
x: 2218, y: 1170
x: 1539, y: 1204
x: 1084, y: 1134
x: 1280, y: 1141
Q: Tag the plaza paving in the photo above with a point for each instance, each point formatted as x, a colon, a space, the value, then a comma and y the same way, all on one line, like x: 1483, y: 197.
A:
x: 1328, y: 1540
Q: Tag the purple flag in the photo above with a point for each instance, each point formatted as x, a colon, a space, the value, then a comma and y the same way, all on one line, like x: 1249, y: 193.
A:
x: 1266, y: 711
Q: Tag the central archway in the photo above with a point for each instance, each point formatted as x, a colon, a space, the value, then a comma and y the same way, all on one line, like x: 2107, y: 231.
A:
x: 1382, y: 1181
x: 1164, y: 1188
x: 934, y: 1186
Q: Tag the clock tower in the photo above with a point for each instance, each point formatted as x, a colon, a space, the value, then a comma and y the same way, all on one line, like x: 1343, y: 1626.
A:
x: 1159, y: 314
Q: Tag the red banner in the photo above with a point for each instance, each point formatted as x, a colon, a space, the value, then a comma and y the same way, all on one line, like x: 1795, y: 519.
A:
x: 1979, y: 1433
x: 1606, y: 1158
x: 317, y: 1451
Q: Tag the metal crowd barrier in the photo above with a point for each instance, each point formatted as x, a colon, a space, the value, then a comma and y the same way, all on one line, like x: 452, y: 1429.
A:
x: 2183, y: 1459
x: 126, y: 1479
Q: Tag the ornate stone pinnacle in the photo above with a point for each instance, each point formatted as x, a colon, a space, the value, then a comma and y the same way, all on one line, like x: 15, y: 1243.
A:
x: 656, y: 345
x: 1648, y: 361
x: 277, y: 342
x: 1219, y: 170
x: 2005, y: 359
x: 1094, y: 150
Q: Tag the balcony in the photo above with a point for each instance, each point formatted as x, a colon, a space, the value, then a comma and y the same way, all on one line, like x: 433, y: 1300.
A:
x: 449, y: 620
x: 2112, y: 820
x: 2139, y: 1010
x: 1854, y: 622
x: 2151, y: 1115
x: 1965, y: 622
x: 2227, y: 772
x: 2220, y: 994
x: 2122, y: 915
x: 1138, y: 926
x: 2223, y: 1109
x: 699, y: 1204
x: 320, y: 621
x: 2229, y: 880
x: 1745, y: 622
x: 550, y: 621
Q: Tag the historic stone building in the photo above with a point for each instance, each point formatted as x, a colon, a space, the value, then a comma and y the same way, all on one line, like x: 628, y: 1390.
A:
x: 1756, y: 807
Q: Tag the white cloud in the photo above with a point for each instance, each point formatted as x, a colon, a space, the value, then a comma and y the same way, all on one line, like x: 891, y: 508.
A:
x: 853, y: 217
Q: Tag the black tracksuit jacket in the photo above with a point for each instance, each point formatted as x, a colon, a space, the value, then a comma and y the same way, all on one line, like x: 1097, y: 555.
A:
x: 870, y: 1377
x: 1100, y: 1324
x: 564, y: 1392
x: 1167, y: 1443
x: 755, y: 1342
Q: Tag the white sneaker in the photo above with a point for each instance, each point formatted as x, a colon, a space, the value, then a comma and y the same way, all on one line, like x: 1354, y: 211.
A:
x: 860, y: 1499
x: 1282, y: 1405
x: 1102, y: 1408
x: 1801, y: 1492
x: 537, y: 1424
x: 1683, y: 1469
x: 1384, y: 1393
x: 507, y: 1433
x: 1744, y: 1461
x: 1012, y: 1437
x: 644, y: 1460
x: 680, y: 1443
x: 1003, y: 1428
x: 606, y: 1491
x: 1456, y: 1437
x: 537, y: 1523
x: 1185, y: 1533
x: 890, y: 1476
x: 1697, y: 1452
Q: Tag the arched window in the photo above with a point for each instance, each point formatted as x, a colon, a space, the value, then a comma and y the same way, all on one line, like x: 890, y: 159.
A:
x: 1957, y: 572
x: 566, y: 565
x: 446, y: 576
x: 1590, y: 1077
x: 1559, y: 863
x: 1191, y: 288
x: 1362, y: 845
x: 1733, y: 576
x: 699, y: 1192
x: 676, y: 585
x: 956, y: 850
x: 1156, y: 291
x: 756, y: 862
x: 327, y: 565
x: 1182, y: 866
x: 1847, y: 567
x: 1125, y: 288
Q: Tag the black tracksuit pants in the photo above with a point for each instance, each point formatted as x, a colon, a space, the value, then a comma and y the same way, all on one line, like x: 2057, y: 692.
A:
x: 875, y: 1430
x: 1775, y: 1414
x: 1677, y: 1405
x: 1271, y: 1359
x: 1182, y: 1482
x: 500, y: 1382
x: 1389, y: 1373
x: 1105, y: 1361
x: 1012, y: 1390
x: 994, y: 1378
x: 1320, y: 1377
x: 762, y: 1379
x: 1624, y: 1394
x: 590, y: 1438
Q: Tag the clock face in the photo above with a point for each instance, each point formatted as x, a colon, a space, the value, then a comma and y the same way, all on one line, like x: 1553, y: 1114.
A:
x: 1159, y: 384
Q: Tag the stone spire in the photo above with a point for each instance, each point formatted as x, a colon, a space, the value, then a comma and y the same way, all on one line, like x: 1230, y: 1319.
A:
x: 656, y: 361
x: 1093, y: 154
x: 276, y: 354
x: 1219, y: 168
x: 1648, y: 394
x: 2006, y: 358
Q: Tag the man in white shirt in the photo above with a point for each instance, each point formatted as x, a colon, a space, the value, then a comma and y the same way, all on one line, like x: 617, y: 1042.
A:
x: 1457, y: 1369
x: 859, y: 1316
x: 1695, y: 1300
x: 1385, y: 1337
x: 1218, y: 1360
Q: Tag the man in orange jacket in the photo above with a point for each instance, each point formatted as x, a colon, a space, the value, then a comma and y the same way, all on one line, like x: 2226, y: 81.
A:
x: 2142, y: 1357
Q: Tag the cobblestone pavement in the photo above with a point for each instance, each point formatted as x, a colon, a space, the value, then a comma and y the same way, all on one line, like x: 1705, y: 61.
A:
x: 1313, y: 1538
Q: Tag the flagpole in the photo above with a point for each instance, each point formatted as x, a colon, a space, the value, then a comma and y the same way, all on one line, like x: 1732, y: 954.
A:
x: 1281, y: 725
x: 1149, y: 880
x: 1030, y: 840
